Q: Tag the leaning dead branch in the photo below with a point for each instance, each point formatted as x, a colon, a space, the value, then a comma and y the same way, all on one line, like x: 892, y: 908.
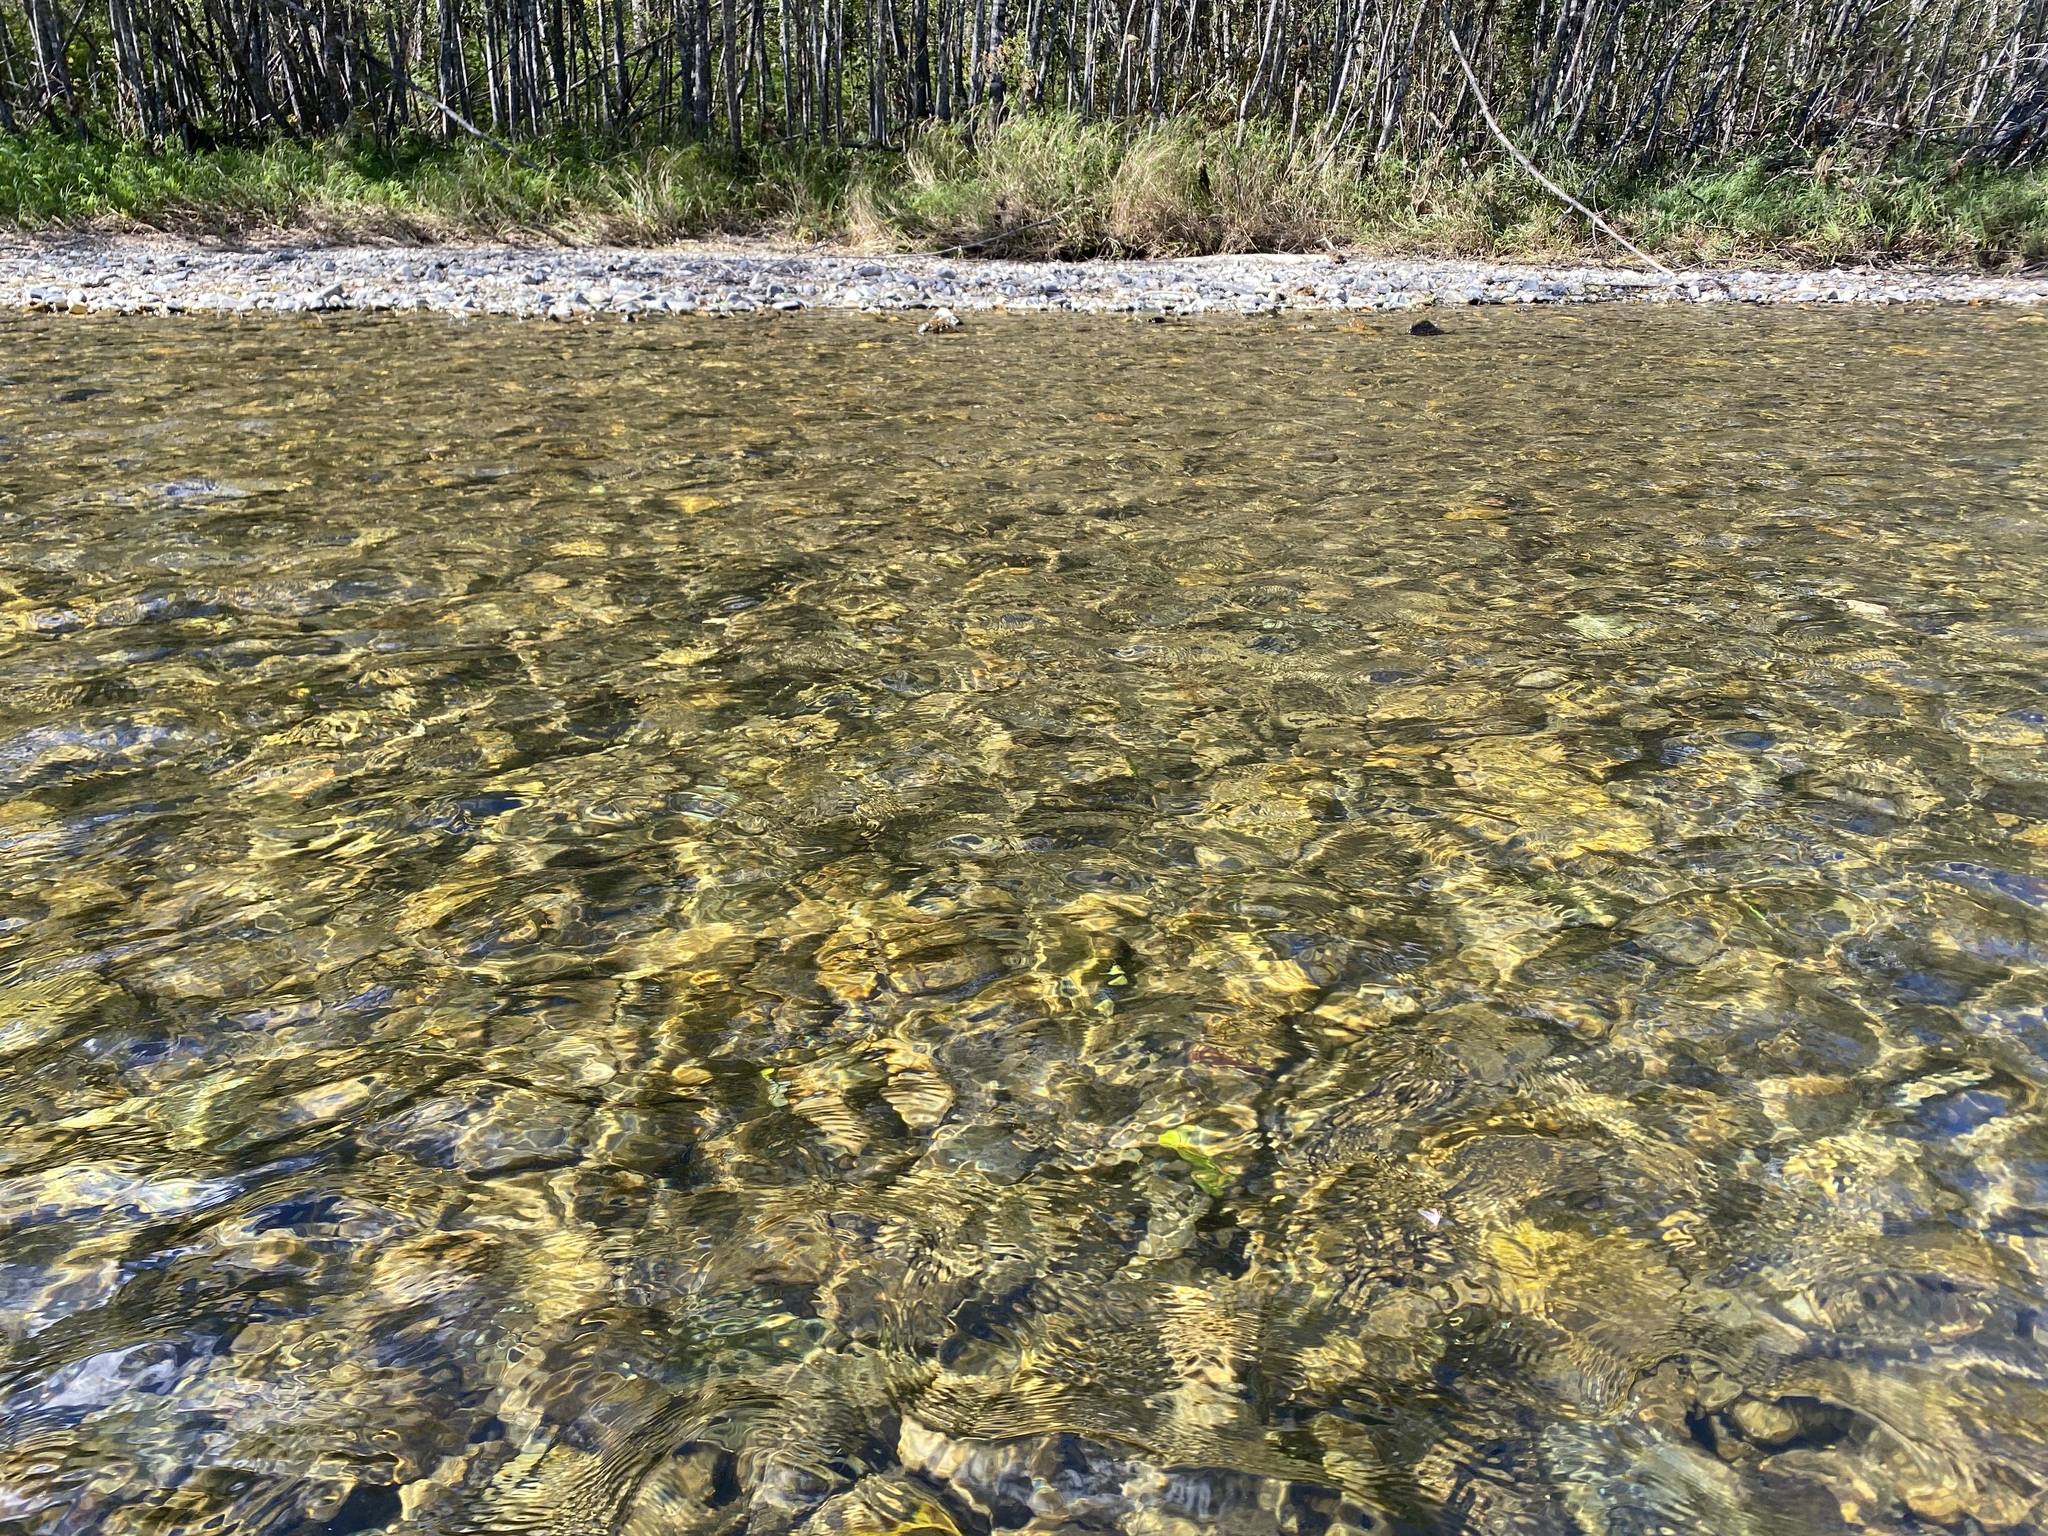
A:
x: 1493, y: 127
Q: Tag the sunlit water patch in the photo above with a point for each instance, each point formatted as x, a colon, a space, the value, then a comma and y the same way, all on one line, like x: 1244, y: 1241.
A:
x: 739, y: 928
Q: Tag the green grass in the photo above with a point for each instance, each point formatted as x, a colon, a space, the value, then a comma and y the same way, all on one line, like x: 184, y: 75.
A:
x: 1040, y: 185
x: 568, y: 190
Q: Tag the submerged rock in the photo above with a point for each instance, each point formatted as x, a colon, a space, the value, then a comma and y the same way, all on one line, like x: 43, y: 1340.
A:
x: 485, y: 1127
x: 1065, y: 1482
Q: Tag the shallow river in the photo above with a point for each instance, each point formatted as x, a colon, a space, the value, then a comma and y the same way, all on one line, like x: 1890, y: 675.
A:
x: 712, y: 928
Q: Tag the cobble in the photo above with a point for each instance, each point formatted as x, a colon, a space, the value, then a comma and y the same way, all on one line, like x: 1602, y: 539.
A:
x: 148, y: 275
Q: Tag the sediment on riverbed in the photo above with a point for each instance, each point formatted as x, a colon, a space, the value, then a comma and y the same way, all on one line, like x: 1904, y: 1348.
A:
x: 138, y: 275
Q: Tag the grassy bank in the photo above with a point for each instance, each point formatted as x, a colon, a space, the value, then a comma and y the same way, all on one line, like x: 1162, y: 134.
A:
x: 1043, y: 185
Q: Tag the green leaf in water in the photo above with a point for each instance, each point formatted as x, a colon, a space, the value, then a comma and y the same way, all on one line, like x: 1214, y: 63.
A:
x: 1180, y: 1141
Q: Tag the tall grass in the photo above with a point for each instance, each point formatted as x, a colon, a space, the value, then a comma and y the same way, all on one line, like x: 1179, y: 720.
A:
x: 567, y: 190
x: 1042, y: 184
x: 1051, y: 185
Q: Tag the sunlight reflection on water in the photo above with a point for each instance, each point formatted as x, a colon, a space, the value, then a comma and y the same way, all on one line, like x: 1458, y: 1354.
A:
x: 1221, y: 926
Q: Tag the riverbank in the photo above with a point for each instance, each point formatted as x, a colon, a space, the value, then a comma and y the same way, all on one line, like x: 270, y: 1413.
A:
x: 1042, y: 186
x: 164, y: 275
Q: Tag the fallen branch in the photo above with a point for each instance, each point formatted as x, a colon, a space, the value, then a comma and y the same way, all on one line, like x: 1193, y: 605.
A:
x: 975, y: 245
x: 1479, y: 97
x: 404, y: 78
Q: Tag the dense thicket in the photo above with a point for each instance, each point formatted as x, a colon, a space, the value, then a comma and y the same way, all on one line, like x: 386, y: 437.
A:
x: 1647, y: 79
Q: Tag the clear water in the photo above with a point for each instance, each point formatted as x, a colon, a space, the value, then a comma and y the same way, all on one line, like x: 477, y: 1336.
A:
x: 705, y: 928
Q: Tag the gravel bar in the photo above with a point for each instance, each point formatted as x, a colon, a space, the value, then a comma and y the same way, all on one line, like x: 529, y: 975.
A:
x: 156, y: 275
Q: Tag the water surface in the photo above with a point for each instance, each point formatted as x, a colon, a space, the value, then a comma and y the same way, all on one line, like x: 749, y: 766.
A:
x: 700, y: 928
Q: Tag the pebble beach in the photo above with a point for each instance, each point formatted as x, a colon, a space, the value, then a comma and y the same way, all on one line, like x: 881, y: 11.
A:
x: 163, y: 276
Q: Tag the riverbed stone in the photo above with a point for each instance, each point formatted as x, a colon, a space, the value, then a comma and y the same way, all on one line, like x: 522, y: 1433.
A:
x: 138, y: 274
x: 1063, y: 1482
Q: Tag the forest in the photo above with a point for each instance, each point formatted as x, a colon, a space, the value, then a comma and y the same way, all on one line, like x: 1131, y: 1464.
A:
x: 1326, y: 92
